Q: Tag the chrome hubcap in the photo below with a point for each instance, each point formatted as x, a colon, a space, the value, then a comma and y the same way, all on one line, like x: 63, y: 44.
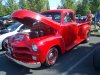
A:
x: 52, y: 56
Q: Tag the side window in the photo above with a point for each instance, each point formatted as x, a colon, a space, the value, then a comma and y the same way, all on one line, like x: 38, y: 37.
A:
x: 68, y: 17
x: 57, y: 17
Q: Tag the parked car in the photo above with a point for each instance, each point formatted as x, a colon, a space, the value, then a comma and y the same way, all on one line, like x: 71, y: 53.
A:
x: 80, y: 19
x: 56, y: 33
x: 5, y: 21
x: 96, y: 58
x: 8, y: 31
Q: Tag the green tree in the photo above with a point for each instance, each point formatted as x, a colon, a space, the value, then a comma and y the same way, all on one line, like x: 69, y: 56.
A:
x: 11, y: 5
x: 24, y: 4
x: 38, y: 5
x: 3, y: 9
x: 95, y: 6
x: 47, y: 6
x: 83, y: 8
x: 79, y: 9
x: 69, y: 5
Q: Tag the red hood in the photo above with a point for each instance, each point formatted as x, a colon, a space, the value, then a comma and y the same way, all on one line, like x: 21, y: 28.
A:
x: 27, y: 17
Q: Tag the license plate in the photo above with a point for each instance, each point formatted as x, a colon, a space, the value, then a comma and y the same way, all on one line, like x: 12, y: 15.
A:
x: 19, y: 37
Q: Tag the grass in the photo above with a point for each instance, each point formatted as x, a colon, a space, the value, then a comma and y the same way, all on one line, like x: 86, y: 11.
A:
x: 96, y: 32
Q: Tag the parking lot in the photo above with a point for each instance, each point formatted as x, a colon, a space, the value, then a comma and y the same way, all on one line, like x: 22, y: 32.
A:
x: 76, y: 62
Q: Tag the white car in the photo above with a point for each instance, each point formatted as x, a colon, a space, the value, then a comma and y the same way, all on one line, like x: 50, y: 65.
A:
x: 9, y: 31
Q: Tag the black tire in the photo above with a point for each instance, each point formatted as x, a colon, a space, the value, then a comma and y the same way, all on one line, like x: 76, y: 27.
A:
x: 51, y: 57
x: 96, y: 59
x: 4, y: 45
x: 87, y: 38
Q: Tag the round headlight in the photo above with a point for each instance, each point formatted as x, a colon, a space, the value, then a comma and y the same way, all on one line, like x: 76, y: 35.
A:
x: 34, y: 47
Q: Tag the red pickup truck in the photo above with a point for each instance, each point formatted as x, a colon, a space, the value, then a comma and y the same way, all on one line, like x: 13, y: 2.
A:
x: 50, y: 33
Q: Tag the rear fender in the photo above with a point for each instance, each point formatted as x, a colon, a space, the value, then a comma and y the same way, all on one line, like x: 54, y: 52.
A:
x: 86, y: 30
x: 83, y: 30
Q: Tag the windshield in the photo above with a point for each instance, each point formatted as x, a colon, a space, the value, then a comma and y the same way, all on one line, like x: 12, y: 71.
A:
x: 56, y: 16
x: 13, y: 26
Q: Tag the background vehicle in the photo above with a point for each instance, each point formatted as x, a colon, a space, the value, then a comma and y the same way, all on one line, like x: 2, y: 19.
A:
x: 8, y: 31
x: 56, y: 33
x: 5, y: 21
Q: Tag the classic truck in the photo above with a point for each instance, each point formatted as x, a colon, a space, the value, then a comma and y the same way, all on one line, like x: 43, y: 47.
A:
x: 50, y: 33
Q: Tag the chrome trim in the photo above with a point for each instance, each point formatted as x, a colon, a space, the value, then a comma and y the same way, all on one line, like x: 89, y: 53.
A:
x: 35, y: 65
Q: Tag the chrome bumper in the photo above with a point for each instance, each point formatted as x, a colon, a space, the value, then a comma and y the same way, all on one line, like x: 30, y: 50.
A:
x: 0, y: 45
x: 28, y: 65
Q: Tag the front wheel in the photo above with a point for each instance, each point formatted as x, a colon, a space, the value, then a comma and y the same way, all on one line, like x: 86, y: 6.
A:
x: 51, y: 57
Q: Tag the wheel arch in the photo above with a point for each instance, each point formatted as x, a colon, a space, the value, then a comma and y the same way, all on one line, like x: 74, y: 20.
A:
x: 43, y: 57
x: 58, y: 47
x: 86, y: 30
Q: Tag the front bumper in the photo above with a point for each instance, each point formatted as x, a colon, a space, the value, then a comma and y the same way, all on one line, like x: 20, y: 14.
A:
x: 28, y: 65
x: 0, y: 45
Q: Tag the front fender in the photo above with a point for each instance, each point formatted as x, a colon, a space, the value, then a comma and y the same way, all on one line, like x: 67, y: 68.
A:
x: 48, y: 43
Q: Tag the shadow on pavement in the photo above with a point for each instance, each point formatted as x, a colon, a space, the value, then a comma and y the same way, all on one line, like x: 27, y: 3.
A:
x: 70, y: 59
x: 66, y: 61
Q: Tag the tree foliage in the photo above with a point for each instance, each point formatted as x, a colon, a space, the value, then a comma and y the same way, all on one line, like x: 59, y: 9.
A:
x: 34, y: 5
x: 41, y: 5
x: 95, y: 6
x: 3, y: 9
x: 11, y: 5
x: 69, y: 5
x: 24, y: 4
x: 38, y: 5
x: 83, y: 8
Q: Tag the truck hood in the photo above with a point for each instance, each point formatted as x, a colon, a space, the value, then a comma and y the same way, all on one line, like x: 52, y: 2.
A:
x: 27, y: 17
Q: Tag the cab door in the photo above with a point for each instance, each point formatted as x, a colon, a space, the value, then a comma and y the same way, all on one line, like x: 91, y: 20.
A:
x: 69, y: 30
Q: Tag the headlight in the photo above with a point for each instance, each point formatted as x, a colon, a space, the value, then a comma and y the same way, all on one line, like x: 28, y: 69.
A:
x: 34, y: 47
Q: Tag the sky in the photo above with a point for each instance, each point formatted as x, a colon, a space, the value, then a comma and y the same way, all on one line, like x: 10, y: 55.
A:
x: 54, y: 4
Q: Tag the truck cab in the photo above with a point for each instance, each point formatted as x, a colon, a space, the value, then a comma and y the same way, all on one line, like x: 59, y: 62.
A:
x: 51, y: 32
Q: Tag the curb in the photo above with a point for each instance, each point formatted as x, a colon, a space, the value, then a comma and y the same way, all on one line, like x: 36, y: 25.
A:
x: 95, y: 35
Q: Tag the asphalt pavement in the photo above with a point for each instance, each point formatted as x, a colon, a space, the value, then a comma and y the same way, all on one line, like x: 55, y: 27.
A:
x: 78, y: 61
